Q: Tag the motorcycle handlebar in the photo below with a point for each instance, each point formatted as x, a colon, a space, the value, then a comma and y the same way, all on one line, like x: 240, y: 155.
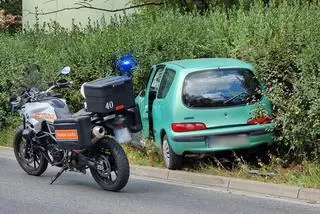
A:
x: 59, y: 85
x: 63, y: 84
x: 18, y: 101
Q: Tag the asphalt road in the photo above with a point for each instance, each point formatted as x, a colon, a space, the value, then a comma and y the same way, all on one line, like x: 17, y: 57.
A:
x: 78, y: 193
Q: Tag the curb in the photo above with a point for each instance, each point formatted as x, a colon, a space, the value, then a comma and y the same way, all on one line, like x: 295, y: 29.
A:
x: 223, y: 183
x: 230, y: 184
x: 277, y: 190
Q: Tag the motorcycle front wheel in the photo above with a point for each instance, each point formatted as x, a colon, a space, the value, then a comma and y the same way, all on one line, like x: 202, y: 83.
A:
x: 31, y: 161
x: 113, y: 170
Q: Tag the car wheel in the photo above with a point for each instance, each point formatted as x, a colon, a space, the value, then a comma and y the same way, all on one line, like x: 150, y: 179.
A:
x: 171, y: 159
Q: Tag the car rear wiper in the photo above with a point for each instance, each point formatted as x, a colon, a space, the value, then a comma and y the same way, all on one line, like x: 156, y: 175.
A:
x: 234, y: 97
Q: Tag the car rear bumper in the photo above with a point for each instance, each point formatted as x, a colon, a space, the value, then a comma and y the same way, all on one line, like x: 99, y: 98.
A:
x: 198, y: 142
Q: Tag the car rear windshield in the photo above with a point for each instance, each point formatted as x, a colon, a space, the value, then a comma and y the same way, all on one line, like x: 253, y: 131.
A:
x: 219, y: 88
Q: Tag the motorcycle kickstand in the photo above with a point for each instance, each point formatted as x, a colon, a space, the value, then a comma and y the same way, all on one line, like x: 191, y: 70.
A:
x: 58, y: 174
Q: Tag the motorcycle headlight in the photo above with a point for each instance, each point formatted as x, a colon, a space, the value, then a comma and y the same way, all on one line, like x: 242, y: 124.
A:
x: 82, y: 91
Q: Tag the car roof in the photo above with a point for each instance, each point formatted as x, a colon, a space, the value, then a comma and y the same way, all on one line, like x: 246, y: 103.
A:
x: 200, y: 63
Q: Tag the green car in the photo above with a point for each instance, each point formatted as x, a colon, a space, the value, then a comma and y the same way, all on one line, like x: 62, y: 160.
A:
x: 197, y: 106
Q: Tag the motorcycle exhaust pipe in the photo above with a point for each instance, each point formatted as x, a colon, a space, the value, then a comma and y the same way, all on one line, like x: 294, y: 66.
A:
x: 98, y: 133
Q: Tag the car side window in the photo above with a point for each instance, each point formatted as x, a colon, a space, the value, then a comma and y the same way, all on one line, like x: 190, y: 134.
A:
x: 157, y: 79
x: 166, y: 83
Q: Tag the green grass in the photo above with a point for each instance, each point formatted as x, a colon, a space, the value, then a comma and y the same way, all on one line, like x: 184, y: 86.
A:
x: 150, y: 156
x: 6, y: 136
x: 305, y: 175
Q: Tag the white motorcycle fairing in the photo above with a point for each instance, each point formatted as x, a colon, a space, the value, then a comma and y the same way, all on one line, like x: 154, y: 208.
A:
x: 48, y: 111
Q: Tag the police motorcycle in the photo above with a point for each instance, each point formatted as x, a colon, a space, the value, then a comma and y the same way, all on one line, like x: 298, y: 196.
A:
x: 87, y: 140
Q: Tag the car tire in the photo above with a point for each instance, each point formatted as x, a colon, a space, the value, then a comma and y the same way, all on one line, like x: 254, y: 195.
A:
x: 171, y: 159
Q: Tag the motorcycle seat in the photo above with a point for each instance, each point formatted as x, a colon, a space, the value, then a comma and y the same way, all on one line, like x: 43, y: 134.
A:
x: 81, y: 113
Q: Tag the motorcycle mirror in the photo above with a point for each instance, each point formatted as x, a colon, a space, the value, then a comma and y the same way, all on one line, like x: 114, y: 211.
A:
x: 65, y: 70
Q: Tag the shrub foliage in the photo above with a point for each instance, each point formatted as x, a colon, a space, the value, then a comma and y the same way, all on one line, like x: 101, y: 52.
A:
x: 282, y: 41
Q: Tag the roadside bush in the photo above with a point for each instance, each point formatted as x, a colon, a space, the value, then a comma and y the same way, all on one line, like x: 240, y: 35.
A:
x: 9, y: 22
x: 12, y: 6
x: 282, y: 41
x: 211, y: 5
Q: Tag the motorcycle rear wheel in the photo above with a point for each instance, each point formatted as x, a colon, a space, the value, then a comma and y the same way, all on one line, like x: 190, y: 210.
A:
x: 114, y: 171
x: 31, y: 161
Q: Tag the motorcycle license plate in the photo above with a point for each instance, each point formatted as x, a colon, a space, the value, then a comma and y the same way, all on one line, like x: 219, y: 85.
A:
x: 122, y: 135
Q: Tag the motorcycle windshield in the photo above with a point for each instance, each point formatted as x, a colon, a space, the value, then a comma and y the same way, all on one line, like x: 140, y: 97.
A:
x: 34, y: 78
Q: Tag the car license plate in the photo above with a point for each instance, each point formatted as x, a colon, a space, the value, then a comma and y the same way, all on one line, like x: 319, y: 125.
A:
x: 227, y: 140
x: 122, y: 135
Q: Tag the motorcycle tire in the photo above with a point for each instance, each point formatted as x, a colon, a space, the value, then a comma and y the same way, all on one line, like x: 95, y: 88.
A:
x: 25, y: 157
x: 113, y: 163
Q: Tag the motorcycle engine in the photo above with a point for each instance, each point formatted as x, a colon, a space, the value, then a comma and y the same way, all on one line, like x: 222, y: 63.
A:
x: 56, y: 153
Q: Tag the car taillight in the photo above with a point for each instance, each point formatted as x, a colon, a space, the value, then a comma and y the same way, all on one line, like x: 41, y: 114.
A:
x: 259, y: 120
x: 187, y: 127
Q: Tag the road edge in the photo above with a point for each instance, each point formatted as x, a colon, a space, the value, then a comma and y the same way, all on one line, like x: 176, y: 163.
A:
x: 223, y: 183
